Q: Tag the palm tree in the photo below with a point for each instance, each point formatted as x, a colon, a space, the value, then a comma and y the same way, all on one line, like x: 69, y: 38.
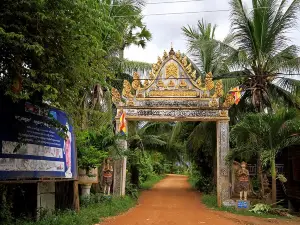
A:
x: 266, y: 134
x: 263, y: 54
x: 256, y: 55
x: 205, y: 49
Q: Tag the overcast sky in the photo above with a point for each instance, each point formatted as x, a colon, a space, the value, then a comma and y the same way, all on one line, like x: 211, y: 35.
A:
x: 167, y: 28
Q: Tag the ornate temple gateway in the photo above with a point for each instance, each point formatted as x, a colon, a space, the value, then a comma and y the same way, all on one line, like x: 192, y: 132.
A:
x: 174, y: 91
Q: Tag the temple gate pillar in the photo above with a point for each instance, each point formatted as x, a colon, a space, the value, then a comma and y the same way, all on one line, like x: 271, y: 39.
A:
x: 223, y: 180
x: 119, y: 178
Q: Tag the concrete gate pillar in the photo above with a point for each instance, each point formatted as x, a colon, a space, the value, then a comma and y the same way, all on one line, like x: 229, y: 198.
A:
x: 119, y: 178
x: 223, y: 182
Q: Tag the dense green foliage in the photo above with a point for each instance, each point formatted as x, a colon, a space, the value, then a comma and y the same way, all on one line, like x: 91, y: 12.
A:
x: 153, y: 149
x: 264, y: 135
x: 94, y: 147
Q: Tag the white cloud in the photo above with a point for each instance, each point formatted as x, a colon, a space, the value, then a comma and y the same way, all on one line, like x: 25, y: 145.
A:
x: 167, y: 28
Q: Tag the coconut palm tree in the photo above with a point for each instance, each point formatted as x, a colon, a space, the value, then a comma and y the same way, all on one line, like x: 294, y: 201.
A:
x: 266, y: 134
x: 204, y: 49
x: 257, y: 54
x: 262, y: 51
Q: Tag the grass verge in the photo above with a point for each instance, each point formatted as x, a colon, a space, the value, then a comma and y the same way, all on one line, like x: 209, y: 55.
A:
x: 211, y: 202
x: 88, y: 215
x: 151, y: 181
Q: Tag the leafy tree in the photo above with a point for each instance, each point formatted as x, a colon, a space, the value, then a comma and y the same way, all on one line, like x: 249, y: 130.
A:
x: 53, y: 48
x: 128, y: 16
x: 266, y: 134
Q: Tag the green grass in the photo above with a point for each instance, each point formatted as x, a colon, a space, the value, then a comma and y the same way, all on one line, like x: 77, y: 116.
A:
x: 211, y: 202
x: 89, y: 215
x: 151, y: 181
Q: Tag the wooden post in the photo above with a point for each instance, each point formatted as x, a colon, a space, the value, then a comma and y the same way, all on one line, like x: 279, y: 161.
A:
x: 76, y: 205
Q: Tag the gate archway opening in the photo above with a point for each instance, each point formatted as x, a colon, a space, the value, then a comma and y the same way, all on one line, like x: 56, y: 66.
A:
x: 174, y: 91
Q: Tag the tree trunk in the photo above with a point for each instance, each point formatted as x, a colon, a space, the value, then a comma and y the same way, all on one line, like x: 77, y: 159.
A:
x: 274, y: 189
x: 121, y: 53
x: 260, y: 175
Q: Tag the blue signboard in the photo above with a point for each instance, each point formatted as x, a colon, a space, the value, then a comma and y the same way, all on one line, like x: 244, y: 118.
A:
x: 32, y: 144
x: 242, y: 205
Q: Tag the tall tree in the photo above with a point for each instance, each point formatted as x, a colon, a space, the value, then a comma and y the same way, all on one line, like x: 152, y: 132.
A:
x: 54, y: 49
x: 128, y: 15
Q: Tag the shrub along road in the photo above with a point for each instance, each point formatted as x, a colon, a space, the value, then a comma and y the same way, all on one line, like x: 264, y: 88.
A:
x: 173, y: 202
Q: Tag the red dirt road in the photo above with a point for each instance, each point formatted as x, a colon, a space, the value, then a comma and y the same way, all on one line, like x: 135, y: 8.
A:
x: 173, y: 202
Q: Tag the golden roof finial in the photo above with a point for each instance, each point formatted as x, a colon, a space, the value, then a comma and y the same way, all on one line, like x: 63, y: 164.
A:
x: 172, y: 52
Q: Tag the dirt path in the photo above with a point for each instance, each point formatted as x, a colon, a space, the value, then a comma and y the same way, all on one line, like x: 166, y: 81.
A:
x: 173, y: 202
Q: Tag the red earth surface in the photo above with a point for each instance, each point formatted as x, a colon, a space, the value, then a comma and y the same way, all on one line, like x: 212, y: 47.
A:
x: 173, y: 202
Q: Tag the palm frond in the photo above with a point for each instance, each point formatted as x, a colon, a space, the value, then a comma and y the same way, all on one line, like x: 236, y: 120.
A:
x: 288, y: 84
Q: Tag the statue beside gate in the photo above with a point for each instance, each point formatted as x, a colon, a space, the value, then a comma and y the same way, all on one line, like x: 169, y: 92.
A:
x: 243, y: 175
x: 107, y: 175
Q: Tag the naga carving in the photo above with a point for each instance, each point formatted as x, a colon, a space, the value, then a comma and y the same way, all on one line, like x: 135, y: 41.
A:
x: 151, y: 75
x: 178, y: 55
x: 193, y: 75
x: 136, y: 84
x: 116, y: 97
x: 229, y: 101
x: 219, y: 89
x: 127, y: 89
x: 184, y: 61
x: 189, y: 68
x: 155, y: 67
x: 159, y: 61
x: 165, y: 55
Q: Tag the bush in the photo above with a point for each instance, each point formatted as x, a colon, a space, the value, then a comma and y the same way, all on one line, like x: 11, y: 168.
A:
x: 132, y: 190
x: 92, y: 199
x: 88, y: 215
x: 201, y: 183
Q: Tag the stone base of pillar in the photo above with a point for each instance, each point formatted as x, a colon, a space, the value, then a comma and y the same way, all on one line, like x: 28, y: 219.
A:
x: 119, y: 177
x: 85, y: 190
x: 45, y: 198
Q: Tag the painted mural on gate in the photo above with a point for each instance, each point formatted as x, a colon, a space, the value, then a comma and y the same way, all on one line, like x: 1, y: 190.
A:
x: 31, y: 146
